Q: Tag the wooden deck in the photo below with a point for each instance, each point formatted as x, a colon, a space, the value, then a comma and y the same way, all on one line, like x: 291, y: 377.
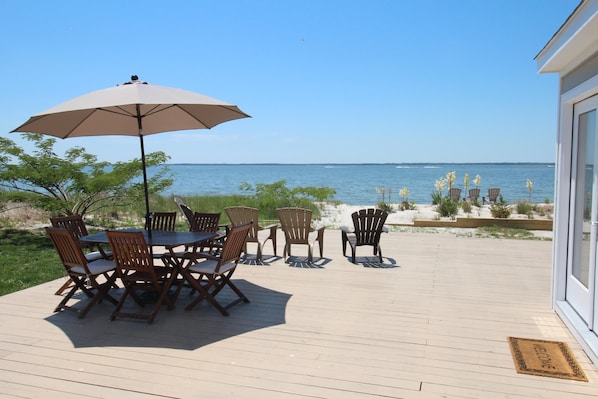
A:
x: 432, y: 322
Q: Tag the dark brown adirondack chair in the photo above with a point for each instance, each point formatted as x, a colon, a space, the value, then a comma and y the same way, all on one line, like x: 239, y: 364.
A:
x: 368, y: 225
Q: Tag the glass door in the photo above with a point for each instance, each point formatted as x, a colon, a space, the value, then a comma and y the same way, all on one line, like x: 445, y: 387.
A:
x: 581, y: 270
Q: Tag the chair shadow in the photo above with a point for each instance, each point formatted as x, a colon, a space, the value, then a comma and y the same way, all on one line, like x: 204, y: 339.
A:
x: 374, y: 262
x: 178, y: 328
x: 252, y: 260
x: 302, y: 263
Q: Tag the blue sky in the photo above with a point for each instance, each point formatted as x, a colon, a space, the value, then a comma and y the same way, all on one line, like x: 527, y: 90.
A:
x: 324, y: 81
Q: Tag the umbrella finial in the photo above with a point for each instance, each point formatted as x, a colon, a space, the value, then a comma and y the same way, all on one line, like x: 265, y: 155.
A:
x: 135, y: 79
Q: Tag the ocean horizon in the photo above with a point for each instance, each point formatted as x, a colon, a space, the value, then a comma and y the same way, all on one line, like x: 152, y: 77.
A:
x: 362, y: 183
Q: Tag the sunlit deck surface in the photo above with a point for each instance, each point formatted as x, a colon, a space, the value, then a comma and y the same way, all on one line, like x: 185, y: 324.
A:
x: 431, y: 322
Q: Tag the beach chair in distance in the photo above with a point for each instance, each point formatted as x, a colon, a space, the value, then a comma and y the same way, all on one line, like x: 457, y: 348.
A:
x: 368, y: 225
x: 240, y: 215
x: 493, y: 194
x: 84, y: 275
x: 454, y: 194
x: 185, y: 210
x: 474, y: 194
x: 209, y: 274
x: 296, y: 225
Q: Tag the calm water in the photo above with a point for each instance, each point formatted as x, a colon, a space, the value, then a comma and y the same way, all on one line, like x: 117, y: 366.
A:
x: 356, y: 184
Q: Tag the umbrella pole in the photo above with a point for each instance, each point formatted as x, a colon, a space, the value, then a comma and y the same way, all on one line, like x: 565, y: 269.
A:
x: 147, y: 207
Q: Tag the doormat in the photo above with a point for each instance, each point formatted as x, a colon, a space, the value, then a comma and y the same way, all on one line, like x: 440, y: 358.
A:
x: 545, y: 358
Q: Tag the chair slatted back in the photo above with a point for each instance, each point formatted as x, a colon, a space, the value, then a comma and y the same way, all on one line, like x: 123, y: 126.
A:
x: 454, y: 194
x: 474, y: 193
x: 368, y: 225
x: 205, y: 222
x: 493, y: 194
x: 240, y: 215
x: 296, y: 224
x: 233, y: 245
x: 68, y: 248
x: 130, y: 251
x: 73, y: 223
x: 165, y: 221
x: 185, y: 210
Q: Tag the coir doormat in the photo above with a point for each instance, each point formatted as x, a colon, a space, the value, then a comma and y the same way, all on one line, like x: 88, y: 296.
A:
x: 545, y: 358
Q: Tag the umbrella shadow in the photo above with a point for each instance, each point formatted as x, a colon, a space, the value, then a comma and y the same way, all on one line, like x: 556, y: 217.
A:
x: 178, y: 328
x: 374, y: 262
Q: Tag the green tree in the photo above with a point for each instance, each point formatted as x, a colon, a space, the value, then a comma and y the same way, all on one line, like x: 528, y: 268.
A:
x: 75, y: 182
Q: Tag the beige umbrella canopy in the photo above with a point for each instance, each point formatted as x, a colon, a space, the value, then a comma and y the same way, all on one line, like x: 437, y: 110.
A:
x: 134, y: 108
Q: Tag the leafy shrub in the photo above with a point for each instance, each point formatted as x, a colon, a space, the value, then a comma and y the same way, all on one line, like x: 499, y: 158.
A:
x: 525, y: 208
x: 500, y: 209
x: 436, y: 197
x: 466, y: 206
x: 385, y: 206
x: 406, y: 206
x: 448, y: 207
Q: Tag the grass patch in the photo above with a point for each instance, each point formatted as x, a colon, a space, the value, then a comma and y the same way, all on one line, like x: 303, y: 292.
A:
x: 505, y: 232
x: 28, y: 259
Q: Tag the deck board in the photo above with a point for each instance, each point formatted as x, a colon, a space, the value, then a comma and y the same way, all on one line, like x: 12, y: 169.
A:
x: 432, y: 322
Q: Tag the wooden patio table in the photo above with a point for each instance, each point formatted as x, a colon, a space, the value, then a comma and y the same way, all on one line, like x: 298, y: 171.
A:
x: 159, y: 238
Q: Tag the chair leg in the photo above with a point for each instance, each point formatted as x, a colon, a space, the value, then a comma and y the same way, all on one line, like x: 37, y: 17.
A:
x: 67, y: 284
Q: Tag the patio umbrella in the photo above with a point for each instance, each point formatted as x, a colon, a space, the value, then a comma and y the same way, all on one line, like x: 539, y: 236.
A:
x: 133, y: 108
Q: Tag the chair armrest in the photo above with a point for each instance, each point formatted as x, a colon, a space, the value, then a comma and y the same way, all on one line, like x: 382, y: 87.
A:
x: 346, y: 230
x: 385, y: 229
x: 321, y: 233
x: 271, y: 227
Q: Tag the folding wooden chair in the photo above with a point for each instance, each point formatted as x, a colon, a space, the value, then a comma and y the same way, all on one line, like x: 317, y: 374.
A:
x: 135, y: 268
x: 296, y: 225
x: 76, y: 224
x: 209, y: 274
x: 165, y: 221
x: 208, y: 222
x: 83, y: 274
x: 368, y: 225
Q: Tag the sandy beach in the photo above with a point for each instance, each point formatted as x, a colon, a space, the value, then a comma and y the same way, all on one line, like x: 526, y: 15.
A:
x: 335, y: 216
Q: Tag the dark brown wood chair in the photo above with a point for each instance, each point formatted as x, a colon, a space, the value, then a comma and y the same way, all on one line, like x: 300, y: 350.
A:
x: 135, y: 268
x: 296, y: 225
x: 209, y: 274
x: 493, y: 194
x: 83, y: 274
x: 76, y: 224
x: 240, y: 215
x: 208, y: 222
x: 368, y: 225
x: 165, y: 221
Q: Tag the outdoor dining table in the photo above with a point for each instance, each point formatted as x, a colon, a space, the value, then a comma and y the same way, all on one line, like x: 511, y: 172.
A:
x: 160, y: 238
